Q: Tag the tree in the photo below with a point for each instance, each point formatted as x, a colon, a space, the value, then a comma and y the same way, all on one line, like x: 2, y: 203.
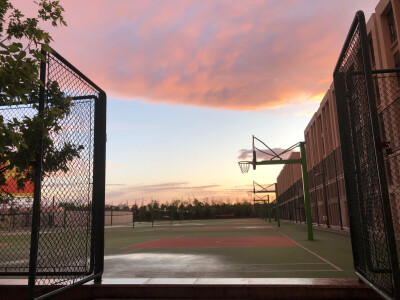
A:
x: 21, y: 42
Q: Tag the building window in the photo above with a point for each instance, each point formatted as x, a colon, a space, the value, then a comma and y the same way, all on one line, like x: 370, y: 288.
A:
x: 392, y: 26
x: 372, y: 53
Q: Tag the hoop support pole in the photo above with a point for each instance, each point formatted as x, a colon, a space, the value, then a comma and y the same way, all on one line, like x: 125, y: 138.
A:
x: 254, y: 154
x: 280, y: 162
x: 306, y: 191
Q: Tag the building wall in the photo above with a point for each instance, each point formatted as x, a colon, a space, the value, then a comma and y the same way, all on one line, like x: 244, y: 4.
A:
x: 324, y: 165
x: 289, y: 174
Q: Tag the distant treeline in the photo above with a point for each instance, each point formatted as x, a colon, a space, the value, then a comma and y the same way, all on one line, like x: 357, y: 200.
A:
x: 195, y: 209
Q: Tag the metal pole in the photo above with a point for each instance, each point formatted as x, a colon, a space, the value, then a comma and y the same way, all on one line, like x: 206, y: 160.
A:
x: 99, y: 181
x: 37, y: 192
x: 338, y: 192
x: 315, y: 196
x: 65, y: 216
x: 133, y: 218
x: 294, y: 207
x: 306, y: 191
x: 265, y: 211
x: 269, y: 210
x: 277, y: 205
x: 111, y: 216
x: 325, y: 193
x: 12, y: 214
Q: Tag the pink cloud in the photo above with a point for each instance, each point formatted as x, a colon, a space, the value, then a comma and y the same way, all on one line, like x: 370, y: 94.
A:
x: 240, y: 55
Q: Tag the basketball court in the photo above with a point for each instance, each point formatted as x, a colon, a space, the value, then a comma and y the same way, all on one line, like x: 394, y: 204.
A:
x: 234, y: 248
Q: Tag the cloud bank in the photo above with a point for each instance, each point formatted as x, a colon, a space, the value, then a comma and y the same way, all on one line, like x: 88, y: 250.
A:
x: 241, y: 55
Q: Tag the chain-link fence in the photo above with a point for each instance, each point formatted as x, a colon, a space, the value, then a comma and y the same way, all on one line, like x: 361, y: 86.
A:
x: 52, y: 230
x: 15, y: 210
x: 387, y: 89
x: 374, y: 248
x: 327, y: 195
x: 115, y: 218
x: 291, y: 203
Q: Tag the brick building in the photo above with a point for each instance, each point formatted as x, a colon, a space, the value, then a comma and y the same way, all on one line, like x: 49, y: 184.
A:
x: 324, y: 164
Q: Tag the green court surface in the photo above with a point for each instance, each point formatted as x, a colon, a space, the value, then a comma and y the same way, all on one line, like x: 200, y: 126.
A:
x: 230, y: 248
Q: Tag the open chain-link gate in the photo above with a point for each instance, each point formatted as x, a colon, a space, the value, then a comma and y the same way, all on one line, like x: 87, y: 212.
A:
x: 368, y: 110
x: 53, y: 232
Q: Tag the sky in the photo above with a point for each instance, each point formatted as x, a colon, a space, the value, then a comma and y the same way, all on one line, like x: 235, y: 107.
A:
x: 190, y: 82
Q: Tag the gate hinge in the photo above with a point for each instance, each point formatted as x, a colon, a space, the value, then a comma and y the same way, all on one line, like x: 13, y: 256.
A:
x: 384, y: 145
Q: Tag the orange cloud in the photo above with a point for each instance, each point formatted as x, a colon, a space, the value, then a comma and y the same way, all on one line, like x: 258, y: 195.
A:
x: 242, y: 55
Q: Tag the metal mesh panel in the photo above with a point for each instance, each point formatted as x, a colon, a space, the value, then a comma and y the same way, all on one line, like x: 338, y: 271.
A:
x: 325, y: 194
x: 65, y: 247
x: 387, y: 86
x: 15, y: 211
x: 373, y: 259
x: 54, y: 234
x: 112, y: 218
x: 65, y: 239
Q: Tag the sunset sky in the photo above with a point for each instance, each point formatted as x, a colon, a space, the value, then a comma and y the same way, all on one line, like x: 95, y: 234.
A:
x: 189, y: 82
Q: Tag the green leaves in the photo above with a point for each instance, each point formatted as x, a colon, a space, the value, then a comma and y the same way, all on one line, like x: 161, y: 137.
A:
x: 14, y: 47
x: 52, y: 10
x: 21, y: 42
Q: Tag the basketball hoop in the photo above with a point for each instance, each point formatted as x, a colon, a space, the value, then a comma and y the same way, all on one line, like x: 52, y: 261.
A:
x: 244, y: 166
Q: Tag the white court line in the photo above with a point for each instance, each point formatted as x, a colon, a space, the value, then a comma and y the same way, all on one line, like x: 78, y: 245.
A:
x: 313, y: 253
x: 288, y: 264
x: 274, y: 271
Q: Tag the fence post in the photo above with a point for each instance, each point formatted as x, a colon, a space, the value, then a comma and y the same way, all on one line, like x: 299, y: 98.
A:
x: 269, y: 210
x: 338, y: 191
x: 278, y: 217
x: 306, y: 191
x: 315, y: 195
x: 99, y: 178
x: 111, y: 217
x: 12, y: 214
x: 37, y: 192
x: 64, y: 217
x: 325, y: 193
